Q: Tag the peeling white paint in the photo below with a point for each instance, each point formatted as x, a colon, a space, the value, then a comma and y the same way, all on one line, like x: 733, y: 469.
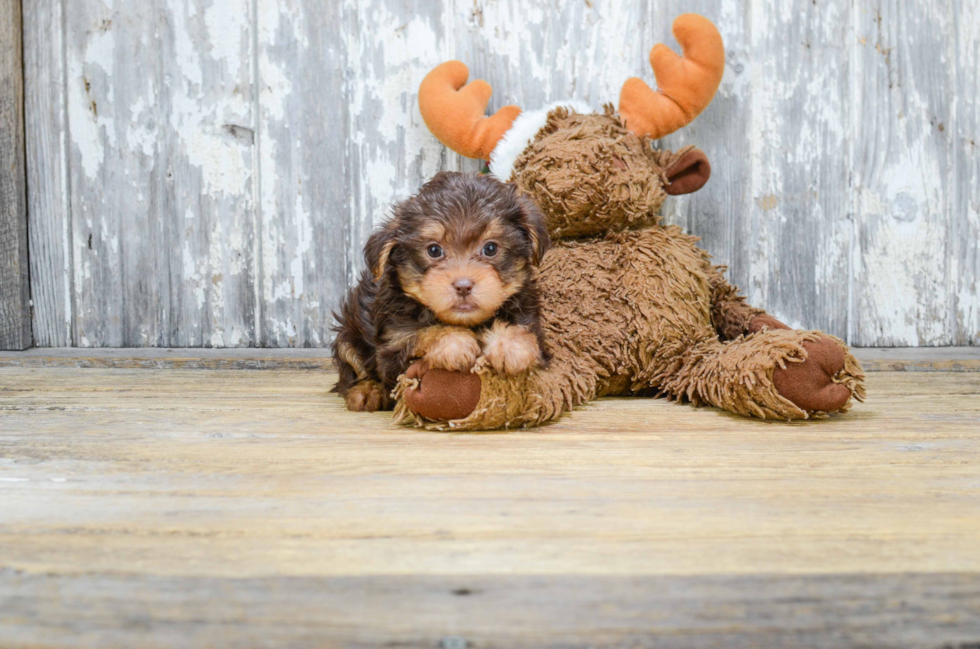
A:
x: 304, y: 242
x: 227, y: 23
x: 197, y: 124
x: 91, y: 124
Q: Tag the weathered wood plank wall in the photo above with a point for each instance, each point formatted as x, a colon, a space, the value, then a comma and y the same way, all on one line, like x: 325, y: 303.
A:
x: 15, y: 318
x: 205, y: 172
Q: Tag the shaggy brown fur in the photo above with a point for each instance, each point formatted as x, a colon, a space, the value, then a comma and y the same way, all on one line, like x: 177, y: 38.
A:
x: 590, y: 175
x: 630, y: 305
x: 460, y: 252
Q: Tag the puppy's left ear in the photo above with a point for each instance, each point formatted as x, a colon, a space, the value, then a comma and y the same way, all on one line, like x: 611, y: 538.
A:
x: 533, y: 223
x: 378, y: 248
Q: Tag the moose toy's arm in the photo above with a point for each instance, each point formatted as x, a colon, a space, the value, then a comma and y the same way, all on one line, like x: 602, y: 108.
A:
x: 731, y: 315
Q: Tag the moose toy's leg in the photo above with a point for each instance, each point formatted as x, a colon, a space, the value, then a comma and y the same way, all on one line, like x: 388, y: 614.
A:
x: 484, y: 400
x: 809, y: 384
x: 772, y: 374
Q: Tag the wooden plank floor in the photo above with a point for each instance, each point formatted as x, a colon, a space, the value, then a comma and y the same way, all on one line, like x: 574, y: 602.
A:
x: 175, y: 507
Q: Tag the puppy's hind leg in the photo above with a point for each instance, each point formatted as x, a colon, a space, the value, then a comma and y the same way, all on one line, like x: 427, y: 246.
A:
x: 366, y: 396
x: 361, y: 393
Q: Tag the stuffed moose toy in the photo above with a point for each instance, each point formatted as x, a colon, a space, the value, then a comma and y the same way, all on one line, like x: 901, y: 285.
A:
x: 629, y: 305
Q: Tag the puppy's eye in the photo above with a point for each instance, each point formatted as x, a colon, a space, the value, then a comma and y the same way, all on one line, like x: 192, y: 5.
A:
x: 434, y: 251
x: 490, y: 249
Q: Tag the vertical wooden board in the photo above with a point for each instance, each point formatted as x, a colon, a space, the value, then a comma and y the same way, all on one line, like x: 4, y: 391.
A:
x: 116, y: 190
x: 48, y: 213
x: 15, y: 316
x: 901, y: 171
x: 965, y: 212
x: 210, y: 208
x: 303, y: 133
x: 799, y: 227
x: 159, y: 112
x: 392, y: 45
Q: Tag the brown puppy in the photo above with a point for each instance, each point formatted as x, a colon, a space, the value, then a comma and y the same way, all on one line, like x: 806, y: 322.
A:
x: 449, y: 279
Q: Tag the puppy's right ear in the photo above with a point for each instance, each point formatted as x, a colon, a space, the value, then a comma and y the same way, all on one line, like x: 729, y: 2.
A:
x: 378, y: 248
x: 535, y: 227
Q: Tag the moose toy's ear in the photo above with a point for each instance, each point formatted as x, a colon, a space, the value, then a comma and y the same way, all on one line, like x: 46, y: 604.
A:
x: 688, y: 174
x: 533, y: 223
x: 378, y: 248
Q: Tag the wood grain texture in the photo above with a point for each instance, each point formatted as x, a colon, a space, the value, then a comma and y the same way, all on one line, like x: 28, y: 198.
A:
x: 156, y: 358
x: 15, y: 314
x: 965, y: 214
x: 159, y: 112
x: 198, y: 507
x: 800, y: 243
x: 537, y: 52
x: 927, y: 611
x: 48, y: 209
x: 304, y: 204
x: 267, y: 140
x: 901, y: 164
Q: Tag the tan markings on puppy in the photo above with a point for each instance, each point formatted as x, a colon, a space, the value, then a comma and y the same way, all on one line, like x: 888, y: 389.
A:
x: 432, y: 231
x: 349, y: 356
x: 437, y: 291
x: 401, y: 338
x: 426, y: 338
x: 447, y: 348
x: 494, y: 230
x: 511, y: 288
x: 510, y: 350
x: 411, y: 283
x: 366, y: 396
x: 379, y: 269
x: 535, y: 245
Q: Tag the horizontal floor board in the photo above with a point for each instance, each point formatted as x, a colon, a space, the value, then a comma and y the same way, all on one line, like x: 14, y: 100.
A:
x: 931, y: 611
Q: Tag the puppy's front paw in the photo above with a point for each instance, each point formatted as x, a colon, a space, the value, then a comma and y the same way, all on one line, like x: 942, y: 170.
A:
x: 510, y: 350
x: 366, y: 396
x: 453, y: 349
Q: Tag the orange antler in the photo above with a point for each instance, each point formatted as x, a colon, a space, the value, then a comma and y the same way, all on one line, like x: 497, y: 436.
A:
x: 455, y: 113
x: 687, y: 84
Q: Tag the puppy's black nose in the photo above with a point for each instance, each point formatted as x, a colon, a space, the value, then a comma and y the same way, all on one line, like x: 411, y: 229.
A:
x: 463, y: 287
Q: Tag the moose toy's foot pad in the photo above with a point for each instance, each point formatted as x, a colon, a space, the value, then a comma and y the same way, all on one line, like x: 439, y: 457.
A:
x: 441, y: 394
x: 810, y: 385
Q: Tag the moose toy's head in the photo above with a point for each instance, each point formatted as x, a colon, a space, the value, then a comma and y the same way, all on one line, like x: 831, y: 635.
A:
x: 589, y: 172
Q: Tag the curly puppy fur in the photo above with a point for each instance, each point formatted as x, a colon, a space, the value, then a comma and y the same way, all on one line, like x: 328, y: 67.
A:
x: 454, y: 264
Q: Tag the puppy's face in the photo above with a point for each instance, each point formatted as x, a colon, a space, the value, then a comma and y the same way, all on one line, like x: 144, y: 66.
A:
x: 462, y: 246
x: 464, y: 268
